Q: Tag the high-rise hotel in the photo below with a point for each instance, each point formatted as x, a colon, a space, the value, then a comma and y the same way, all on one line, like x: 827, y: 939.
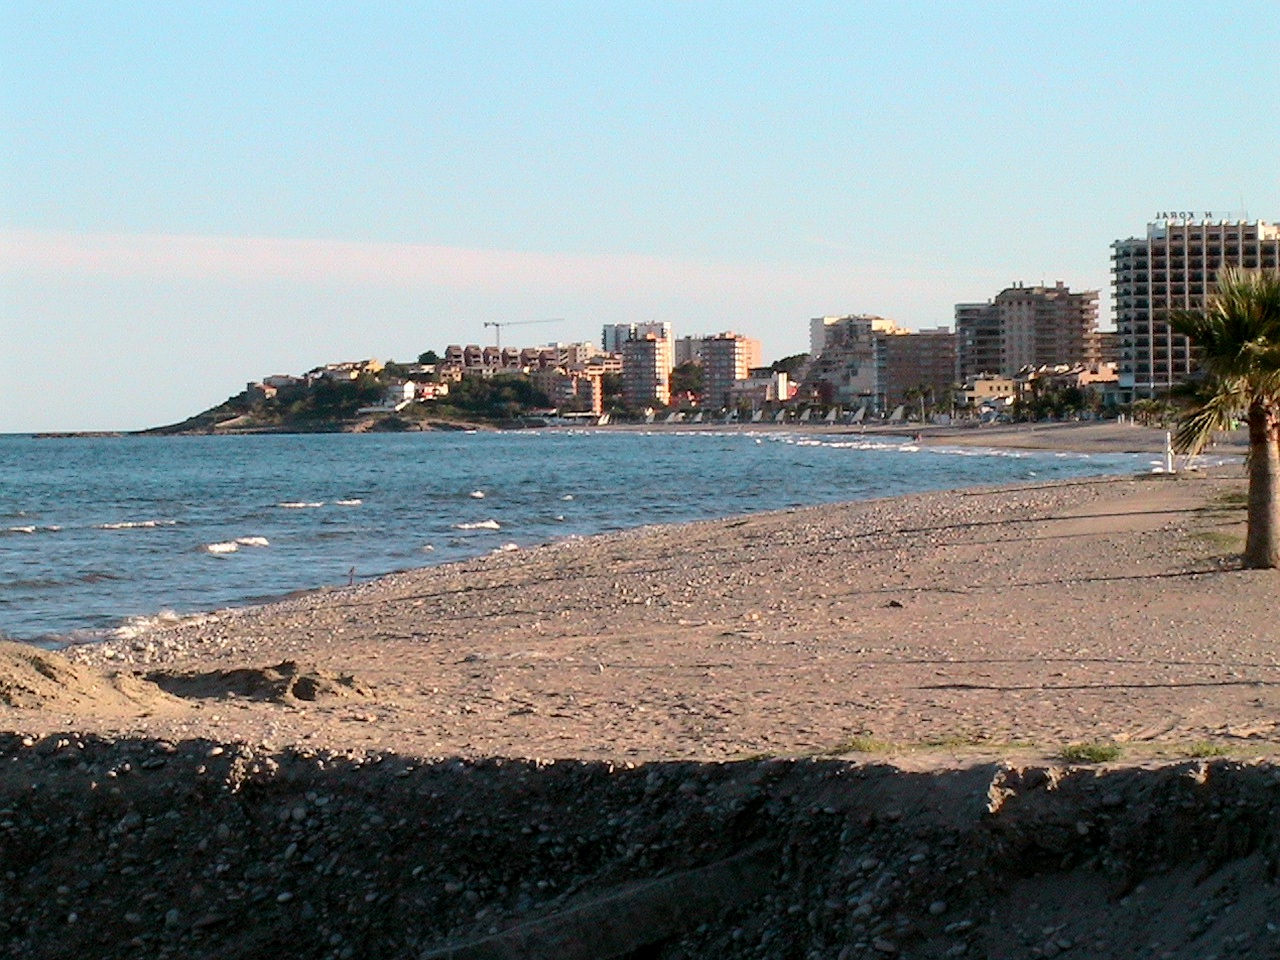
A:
x: 1172, y: 268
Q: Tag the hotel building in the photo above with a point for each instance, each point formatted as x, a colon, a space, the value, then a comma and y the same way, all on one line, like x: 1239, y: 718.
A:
x: 1172, y: 268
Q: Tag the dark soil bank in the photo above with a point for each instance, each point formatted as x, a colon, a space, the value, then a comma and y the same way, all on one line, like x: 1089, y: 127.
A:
x: 153, y: 849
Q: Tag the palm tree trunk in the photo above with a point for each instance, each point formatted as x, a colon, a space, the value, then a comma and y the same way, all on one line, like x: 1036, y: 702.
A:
x: 1262, y: 543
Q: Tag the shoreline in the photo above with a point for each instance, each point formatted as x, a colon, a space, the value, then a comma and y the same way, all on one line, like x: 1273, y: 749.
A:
x: 562, y: 650
x: 1072, y: 438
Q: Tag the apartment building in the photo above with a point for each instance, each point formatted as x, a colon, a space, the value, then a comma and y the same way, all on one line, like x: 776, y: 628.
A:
x: 571, y: 390
x: 906, y: 362
x: 616, y: 334
x: 1027, y: 326
x: 646, y: 372
x: 844, y: 363
x: 726, y: 358
x: 1172, y: 268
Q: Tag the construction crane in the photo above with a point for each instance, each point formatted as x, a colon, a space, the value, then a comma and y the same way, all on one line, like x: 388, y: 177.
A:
x: 499, y: 324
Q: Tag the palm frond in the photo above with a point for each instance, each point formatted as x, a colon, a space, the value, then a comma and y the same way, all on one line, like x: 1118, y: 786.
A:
x: 1217, y: 414
x: 1237, y: 331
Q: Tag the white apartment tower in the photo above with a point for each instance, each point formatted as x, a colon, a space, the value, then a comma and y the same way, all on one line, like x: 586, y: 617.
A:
x: 1172, y: 268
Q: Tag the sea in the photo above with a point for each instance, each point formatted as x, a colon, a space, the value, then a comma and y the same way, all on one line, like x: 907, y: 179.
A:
x: 102, y: 535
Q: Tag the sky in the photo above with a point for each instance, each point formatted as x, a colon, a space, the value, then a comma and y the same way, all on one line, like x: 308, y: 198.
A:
x: 196, y: 195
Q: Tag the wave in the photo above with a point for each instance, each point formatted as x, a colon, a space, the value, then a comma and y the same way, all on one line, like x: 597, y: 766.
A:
x: 139, y: 626
x: 97, y: 576
x: 479, y: 525
x: 352, y: 502
x: 253, y: 541
x: 477, y: 494
x: 301, y: 504
x: 229, y: 546
x: 136, y: 524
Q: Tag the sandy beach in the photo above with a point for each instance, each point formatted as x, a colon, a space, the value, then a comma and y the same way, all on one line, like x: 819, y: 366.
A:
x: 898, y: 685
x: 935, y: 628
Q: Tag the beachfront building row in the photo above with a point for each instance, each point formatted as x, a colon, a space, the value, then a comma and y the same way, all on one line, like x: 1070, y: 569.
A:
x: 1169, y: 269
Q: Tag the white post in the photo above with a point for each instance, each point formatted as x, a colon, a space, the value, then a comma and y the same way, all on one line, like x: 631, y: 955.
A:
x: 1168, y: 452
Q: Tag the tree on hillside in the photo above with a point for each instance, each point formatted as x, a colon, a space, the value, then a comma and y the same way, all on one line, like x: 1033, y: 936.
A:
x: 687, y: 378
x: 504, y: 395
x: 790, y: 365
x: 1237, y: 336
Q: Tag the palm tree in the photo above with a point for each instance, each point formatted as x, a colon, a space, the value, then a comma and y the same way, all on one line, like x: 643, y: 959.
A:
x: 1237, y: 334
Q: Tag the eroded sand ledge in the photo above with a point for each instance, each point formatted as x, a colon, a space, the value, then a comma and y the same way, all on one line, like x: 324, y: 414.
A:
x: 276, y: 790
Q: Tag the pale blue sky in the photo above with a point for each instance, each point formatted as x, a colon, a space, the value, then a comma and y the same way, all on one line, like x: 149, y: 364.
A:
x: 195, y: 195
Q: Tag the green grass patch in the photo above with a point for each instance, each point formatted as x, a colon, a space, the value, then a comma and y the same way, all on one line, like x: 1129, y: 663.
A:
x: 1206, y: 748
x: 1091, y: 752
x: 857, y: 744
x: 1218, y: 539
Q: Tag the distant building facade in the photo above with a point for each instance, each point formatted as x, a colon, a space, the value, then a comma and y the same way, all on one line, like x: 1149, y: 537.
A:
x: 1027, y: 326
x: 762, y: 387
x: 646, y: 372
x: 726, y: 358
x: 615, y: 335
x: 844, y: 362
x: 925, y: 360
x: 1172, y: 268
x: 688, y: 350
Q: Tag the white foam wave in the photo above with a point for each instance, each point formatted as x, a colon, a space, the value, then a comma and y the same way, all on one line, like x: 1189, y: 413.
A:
x: 229, y: 546
x: 479, y: 525
x: 352, y: 502
x: 136, y: 627
x: 301, y: 504
x: 477, y: 494
x: 253, y: 541
x: 507, y: 548
x: 29, y: 529
x: 136, y: 524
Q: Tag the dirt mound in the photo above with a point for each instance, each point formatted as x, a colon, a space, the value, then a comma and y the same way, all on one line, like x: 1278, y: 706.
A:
x: 36, y: 679
x: 285, y: 682
x: 196, y: 849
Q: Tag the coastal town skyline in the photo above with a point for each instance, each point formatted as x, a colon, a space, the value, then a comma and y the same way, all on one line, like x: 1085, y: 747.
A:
x: 192, y: 198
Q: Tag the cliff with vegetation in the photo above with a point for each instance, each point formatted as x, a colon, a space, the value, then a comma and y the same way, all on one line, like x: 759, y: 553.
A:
x: 366, y: 402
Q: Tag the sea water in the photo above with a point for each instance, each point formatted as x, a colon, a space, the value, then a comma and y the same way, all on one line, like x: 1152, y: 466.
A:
x: 97, y: 531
